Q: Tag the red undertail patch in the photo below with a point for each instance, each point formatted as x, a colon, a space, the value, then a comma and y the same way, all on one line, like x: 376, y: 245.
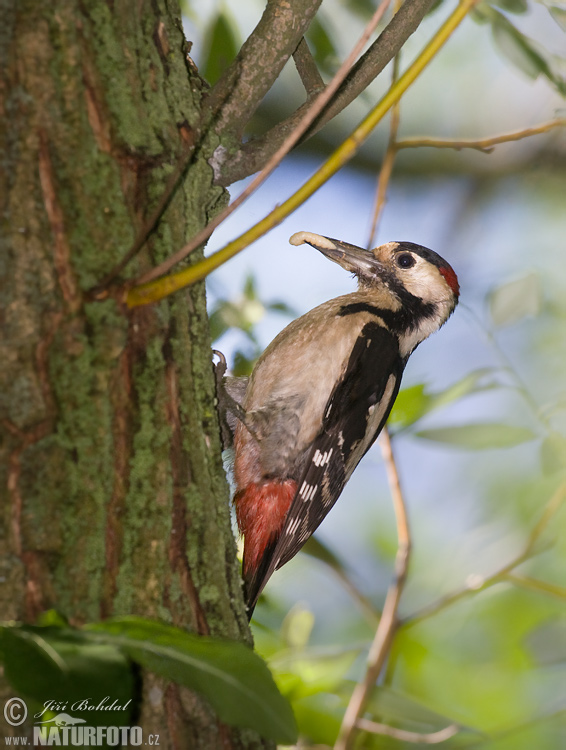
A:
x: 260, y: 512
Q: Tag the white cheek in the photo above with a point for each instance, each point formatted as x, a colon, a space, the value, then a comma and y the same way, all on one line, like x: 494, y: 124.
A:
x: 426, y: 282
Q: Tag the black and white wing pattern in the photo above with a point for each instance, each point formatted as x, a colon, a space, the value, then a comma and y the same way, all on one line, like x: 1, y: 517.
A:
x: 355, y: 414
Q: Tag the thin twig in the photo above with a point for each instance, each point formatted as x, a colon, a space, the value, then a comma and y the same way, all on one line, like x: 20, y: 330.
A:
x: 534, y: 584
x: 389, y: 622
x: 431, y: 738
x: 483, y: 144
x: 403, y: 530
x: 480, y: 583
x: 317, y: 106
x: 387, y: 166
x: 307, y: 69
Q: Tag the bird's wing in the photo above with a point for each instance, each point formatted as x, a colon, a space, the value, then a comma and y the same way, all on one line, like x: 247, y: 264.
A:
x: 355, y: 414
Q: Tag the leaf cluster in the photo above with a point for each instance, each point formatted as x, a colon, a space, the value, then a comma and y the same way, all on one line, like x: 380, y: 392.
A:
x: 53, y: 661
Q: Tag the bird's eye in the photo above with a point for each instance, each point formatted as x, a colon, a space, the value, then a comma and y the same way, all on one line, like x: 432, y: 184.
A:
x: 405, y: 260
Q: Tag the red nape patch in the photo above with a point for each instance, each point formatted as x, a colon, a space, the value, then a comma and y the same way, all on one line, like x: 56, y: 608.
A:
x: 260, y: 512
x: 451, y: 279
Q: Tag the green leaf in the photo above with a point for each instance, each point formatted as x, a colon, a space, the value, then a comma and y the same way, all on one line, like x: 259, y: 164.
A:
x: 320, y: 551
x: 525, y: 53
x: 515, y: 300
x: 479, y: 436
x: 363, y: 8
x: 250, y: 288
x: 319, y: 717
x: 321, y: 45
x: 244, y: 363
x: 513, y: 6
x: 435, y: 5
x: 53, y: 664
x: 282, y: 307
x: 553, y: 453
x: 302, y: 672
x: 413, y: 403
x: 392, y: 706
x: 297, y: 627
x: 52, y: 617
x: 221, y: 47
x: 557, y: 11
x: 235, y: 681
x: 476, y: 381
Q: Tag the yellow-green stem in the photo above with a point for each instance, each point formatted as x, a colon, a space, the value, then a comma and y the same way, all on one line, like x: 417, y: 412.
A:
x: 160, y: 288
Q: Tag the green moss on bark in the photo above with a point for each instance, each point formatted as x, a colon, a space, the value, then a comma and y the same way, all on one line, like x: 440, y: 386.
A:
x: 117, y: 501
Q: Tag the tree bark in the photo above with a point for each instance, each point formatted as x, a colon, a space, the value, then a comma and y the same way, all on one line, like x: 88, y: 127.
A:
x: 114, y: 499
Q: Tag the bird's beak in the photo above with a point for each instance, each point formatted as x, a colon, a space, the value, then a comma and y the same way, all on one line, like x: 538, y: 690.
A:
x: 355, y: 259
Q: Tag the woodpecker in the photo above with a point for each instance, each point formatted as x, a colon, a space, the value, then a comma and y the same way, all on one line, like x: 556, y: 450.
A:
x: 321, y: 393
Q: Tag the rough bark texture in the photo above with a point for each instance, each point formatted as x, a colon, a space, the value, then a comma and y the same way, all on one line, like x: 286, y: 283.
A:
x: 113, y: 495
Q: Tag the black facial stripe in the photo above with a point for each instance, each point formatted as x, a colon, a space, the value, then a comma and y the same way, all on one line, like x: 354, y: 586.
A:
x: 413, y: 309
x: 407, y: 318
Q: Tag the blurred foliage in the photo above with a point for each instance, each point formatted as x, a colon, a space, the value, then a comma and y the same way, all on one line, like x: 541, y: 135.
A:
x: 322, y: 47
x: 221, y: 45
x: 526, y: 54
x: 243, y: 314
x: 515, y: 300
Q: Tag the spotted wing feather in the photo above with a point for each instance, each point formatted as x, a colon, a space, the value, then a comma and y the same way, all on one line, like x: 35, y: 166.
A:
x: 374, y: 369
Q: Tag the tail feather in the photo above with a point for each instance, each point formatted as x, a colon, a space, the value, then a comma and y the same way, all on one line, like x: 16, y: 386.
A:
x: 260, y: 511
x: 255, y: 577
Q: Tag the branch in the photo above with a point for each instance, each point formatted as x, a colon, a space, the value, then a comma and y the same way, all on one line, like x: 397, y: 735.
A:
x: 479, y: 583
x: 154, y: 291
x: 235, y: 97
x: 256, y: 151
x: 314, y: 110
x: 389, y: 622
x: 483, y: 144
x: 432, y: 738
x: 307, y: 70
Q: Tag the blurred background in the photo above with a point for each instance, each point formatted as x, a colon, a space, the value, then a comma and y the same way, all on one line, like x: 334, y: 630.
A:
x: 480, y: 427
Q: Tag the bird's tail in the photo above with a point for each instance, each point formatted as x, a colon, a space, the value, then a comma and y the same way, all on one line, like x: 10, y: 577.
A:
x: 260, y: 511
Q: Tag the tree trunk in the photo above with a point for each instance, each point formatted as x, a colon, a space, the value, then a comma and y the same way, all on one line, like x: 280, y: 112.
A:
x: 114, y: 499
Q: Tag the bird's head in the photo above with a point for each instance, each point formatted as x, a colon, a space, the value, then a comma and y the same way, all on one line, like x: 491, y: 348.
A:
x: 409, y: 270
